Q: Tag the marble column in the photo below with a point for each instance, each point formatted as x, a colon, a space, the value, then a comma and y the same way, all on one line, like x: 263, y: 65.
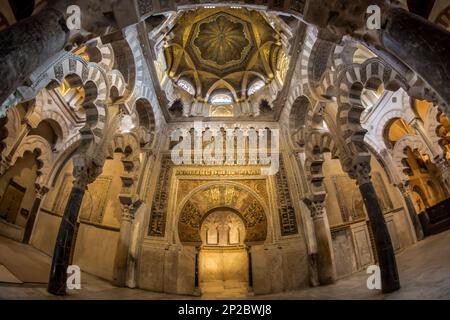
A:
x: 41, y: 191
x: 406, y: 192
x: 64, y: 240
x: 324, y: 259
x: 27, y: 45
x: 123, y: 246
x: 385, y: 252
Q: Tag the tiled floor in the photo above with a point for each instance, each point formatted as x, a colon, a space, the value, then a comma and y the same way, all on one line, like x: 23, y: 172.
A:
x: 424, y: 273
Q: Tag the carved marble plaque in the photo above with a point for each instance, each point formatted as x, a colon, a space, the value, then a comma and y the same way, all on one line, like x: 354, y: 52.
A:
x: 363, y: 247
x: 94, y: 199
x: 11, y: 201
x: 350, y: 200
x: 393, y: 234
x: 380, y: 189
x: 63, y: 197
x: 343, y: 252
x: 212, y: 235
x: 233, y: 235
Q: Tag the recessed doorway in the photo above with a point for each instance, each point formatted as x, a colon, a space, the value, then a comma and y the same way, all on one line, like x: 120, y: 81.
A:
x: 223, y: 257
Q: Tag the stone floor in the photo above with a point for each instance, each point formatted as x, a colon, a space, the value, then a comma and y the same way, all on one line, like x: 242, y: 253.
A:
x: 223, y: 289
x: 424, y: 273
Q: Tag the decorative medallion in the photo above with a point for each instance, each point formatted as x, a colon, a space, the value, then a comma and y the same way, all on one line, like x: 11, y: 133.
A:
x: 221, y: 41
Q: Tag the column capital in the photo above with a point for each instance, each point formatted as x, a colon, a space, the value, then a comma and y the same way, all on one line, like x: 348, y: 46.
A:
x: 362, y: 172
x: 316, y: 207
x: 127, y: 212
x: 404, y: 188
x: 87, y: 164
x: 41, y: 191
x: 4, y: 166
x: 85, y: 174
x: 129, y: 208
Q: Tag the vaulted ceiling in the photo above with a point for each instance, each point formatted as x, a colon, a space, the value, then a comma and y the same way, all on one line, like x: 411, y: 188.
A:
x: 222, y: 50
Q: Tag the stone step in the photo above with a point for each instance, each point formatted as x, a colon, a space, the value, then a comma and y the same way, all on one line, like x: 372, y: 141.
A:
x: 224, y: 289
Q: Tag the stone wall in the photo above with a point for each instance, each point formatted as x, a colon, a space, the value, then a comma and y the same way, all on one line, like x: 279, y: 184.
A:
x: 17, y: 196
x: 169, y: 269
x: 99, y: 219
x: 45, y: 231
x: 352, y: 241
x: 279, y: 262
x: 95, y: 250
x: 279, y: 268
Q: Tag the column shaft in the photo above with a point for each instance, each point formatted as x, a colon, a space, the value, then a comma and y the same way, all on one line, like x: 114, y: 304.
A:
x: 32, y: 218
x: 385, y: 252
x: 63, y: 246
x: 122, y: 252
x: 413, y: 214
x: 325, y: 261
x: 27, y: 45
x: 425, y: 50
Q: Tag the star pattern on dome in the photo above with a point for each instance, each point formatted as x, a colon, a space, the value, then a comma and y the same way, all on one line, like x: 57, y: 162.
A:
x: 222, y: 50
x: 221, y: 41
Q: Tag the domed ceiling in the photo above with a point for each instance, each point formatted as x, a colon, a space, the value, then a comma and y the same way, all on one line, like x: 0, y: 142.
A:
x: 221, y: 42
x: 222, y: 52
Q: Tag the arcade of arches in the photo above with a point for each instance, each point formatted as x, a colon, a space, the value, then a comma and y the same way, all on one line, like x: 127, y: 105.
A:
x: 357, y: 119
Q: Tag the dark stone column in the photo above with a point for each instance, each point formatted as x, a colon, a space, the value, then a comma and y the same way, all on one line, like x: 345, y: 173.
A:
x: 63, y: 246
x: 40, y: 192
x: 422, y: 46
x: 412, y: 211
x: 385, y: 252
x: 27, y: 45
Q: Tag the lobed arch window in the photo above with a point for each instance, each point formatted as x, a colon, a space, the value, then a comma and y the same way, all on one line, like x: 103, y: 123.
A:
x: 255, y: 87
x: 126, y: 124
x: 221, y: 99
x: 186, y: 86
